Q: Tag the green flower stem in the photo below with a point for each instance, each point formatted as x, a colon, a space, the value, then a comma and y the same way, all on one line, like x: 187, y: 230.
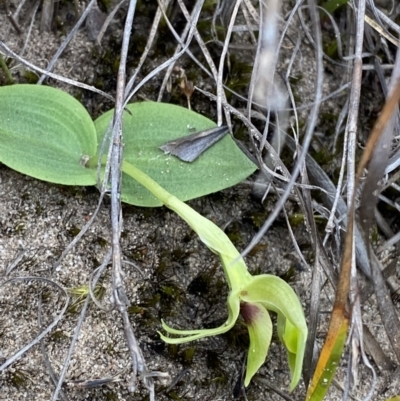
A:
x: 250, y: 296
x: 216, y: 240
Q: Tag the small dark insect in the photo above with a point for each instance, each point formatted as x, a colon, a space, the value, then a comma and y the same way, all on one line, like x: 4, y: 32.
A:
x: 190, y: 147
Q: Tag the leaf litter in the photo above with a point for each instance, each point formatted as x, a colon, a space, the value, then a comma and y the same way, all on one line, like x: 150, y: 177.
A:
x: 35, y: 217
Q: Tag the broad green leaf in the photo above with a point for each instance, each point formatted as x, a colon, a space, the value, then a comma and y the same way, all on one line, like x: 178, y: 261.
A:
x: 146, y: 127
x: 47, y: 134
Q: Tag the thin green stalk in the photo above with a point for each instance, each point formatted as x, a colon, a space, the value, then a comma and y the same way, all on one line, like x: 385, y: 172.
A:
x: 215, y: 239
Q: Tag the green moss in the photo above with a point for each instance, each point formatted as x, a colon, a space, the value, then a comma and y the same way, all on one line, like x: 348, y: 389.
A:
x: 31, y: 77
x: 134, y: 310
x: 19, y: 378
x: 173, y: 350
x: 172, y: 292
x: 202, y: 283
x: 234, y: 233
x: 57, y: 336
x: 258, y: 248
x: 296, y: 219
x: 38, y: 208
x: 212, y: 360
x: 289, y: 274
x: 80, y: 293
x: 46, y: 296
x: 151, y: 301
x: 19, y: 228
x: 74, y: 231
x: 375, y: 234
x: 174, y: 396
x: 188, y: 355
x: 102, y: 242
x: 111, y: 396
x: 104, y: 5
x: 239, y: 74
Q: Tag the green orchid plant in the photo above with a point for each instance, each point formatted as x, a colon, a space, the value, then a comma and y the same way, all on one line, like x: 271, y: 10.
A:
x: 47, y: 134
x: 249, y: 296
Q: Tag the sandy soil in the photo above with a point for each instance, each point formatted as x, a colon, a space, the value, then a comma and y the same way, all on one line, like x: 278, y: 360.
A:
x: 174, y: 278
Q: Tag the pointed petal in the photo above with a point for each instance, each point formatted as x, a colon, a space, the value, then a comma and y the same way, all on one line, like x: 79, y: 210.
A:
x: 190, y: 335
x: 291, y: 338
x: 259, y: 325
x: 275, y: 294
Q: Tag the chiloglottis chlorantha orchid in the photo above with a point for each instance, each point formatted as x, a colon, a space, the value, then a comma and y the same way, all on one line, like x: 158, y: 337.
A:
x: 249, y: 296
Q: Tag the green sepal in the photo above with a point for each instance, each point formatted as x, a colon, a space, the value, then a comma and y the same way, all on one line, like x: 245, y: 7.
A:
x: 276, y: 295
x: 190, y: 335
x: 259, y: 326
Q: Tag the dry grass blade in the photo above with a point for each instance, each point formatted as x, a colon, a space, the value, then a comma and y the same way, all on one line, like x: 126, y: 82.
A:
x: 47, y: 15
x: 4, y: 48
x: 340, y: 315
x: 116, y: 147
x: 67, y: 40
x: 375, y: 156
x: 60, y: 315
x: 375, y: 350
x: 339, y: 322
x: 312, y: 120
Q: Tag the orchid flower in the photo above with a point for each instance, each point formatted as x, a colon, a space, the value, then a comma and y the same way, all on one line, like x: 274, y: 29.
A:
x: 250, y: 296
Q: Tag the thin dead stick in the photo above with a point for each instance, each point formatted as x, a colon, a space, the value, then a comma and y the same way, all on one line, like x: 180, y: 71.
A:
x: 10, y: 53
x: 68, y: 39
x: 50, y: 327
x: 119, y: 296
x: 312, y: 120
x: 345, y: 110
x: 31, y: 25
x: 208, y: 57
x: 171, y: 67
x: 153, y: 73
x: 47, y: 15
x: 108, y: 21
x: 77, y: 330
x: 222, y: 61
x: 11, y: 18
x: 153, y: 34
x: 247, y: 27
x: 354, y: 103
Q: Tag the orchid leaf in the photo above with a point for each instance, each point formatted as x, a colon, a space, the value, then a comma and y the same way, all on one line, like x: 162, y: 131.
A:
x: 46, y: 134
x: 147, y: 126
x: 259, y: 325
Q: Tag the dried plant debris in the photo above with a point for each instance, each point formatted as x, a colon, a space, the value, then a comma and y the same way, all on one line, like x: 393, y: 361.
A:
x: 305, y: 124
